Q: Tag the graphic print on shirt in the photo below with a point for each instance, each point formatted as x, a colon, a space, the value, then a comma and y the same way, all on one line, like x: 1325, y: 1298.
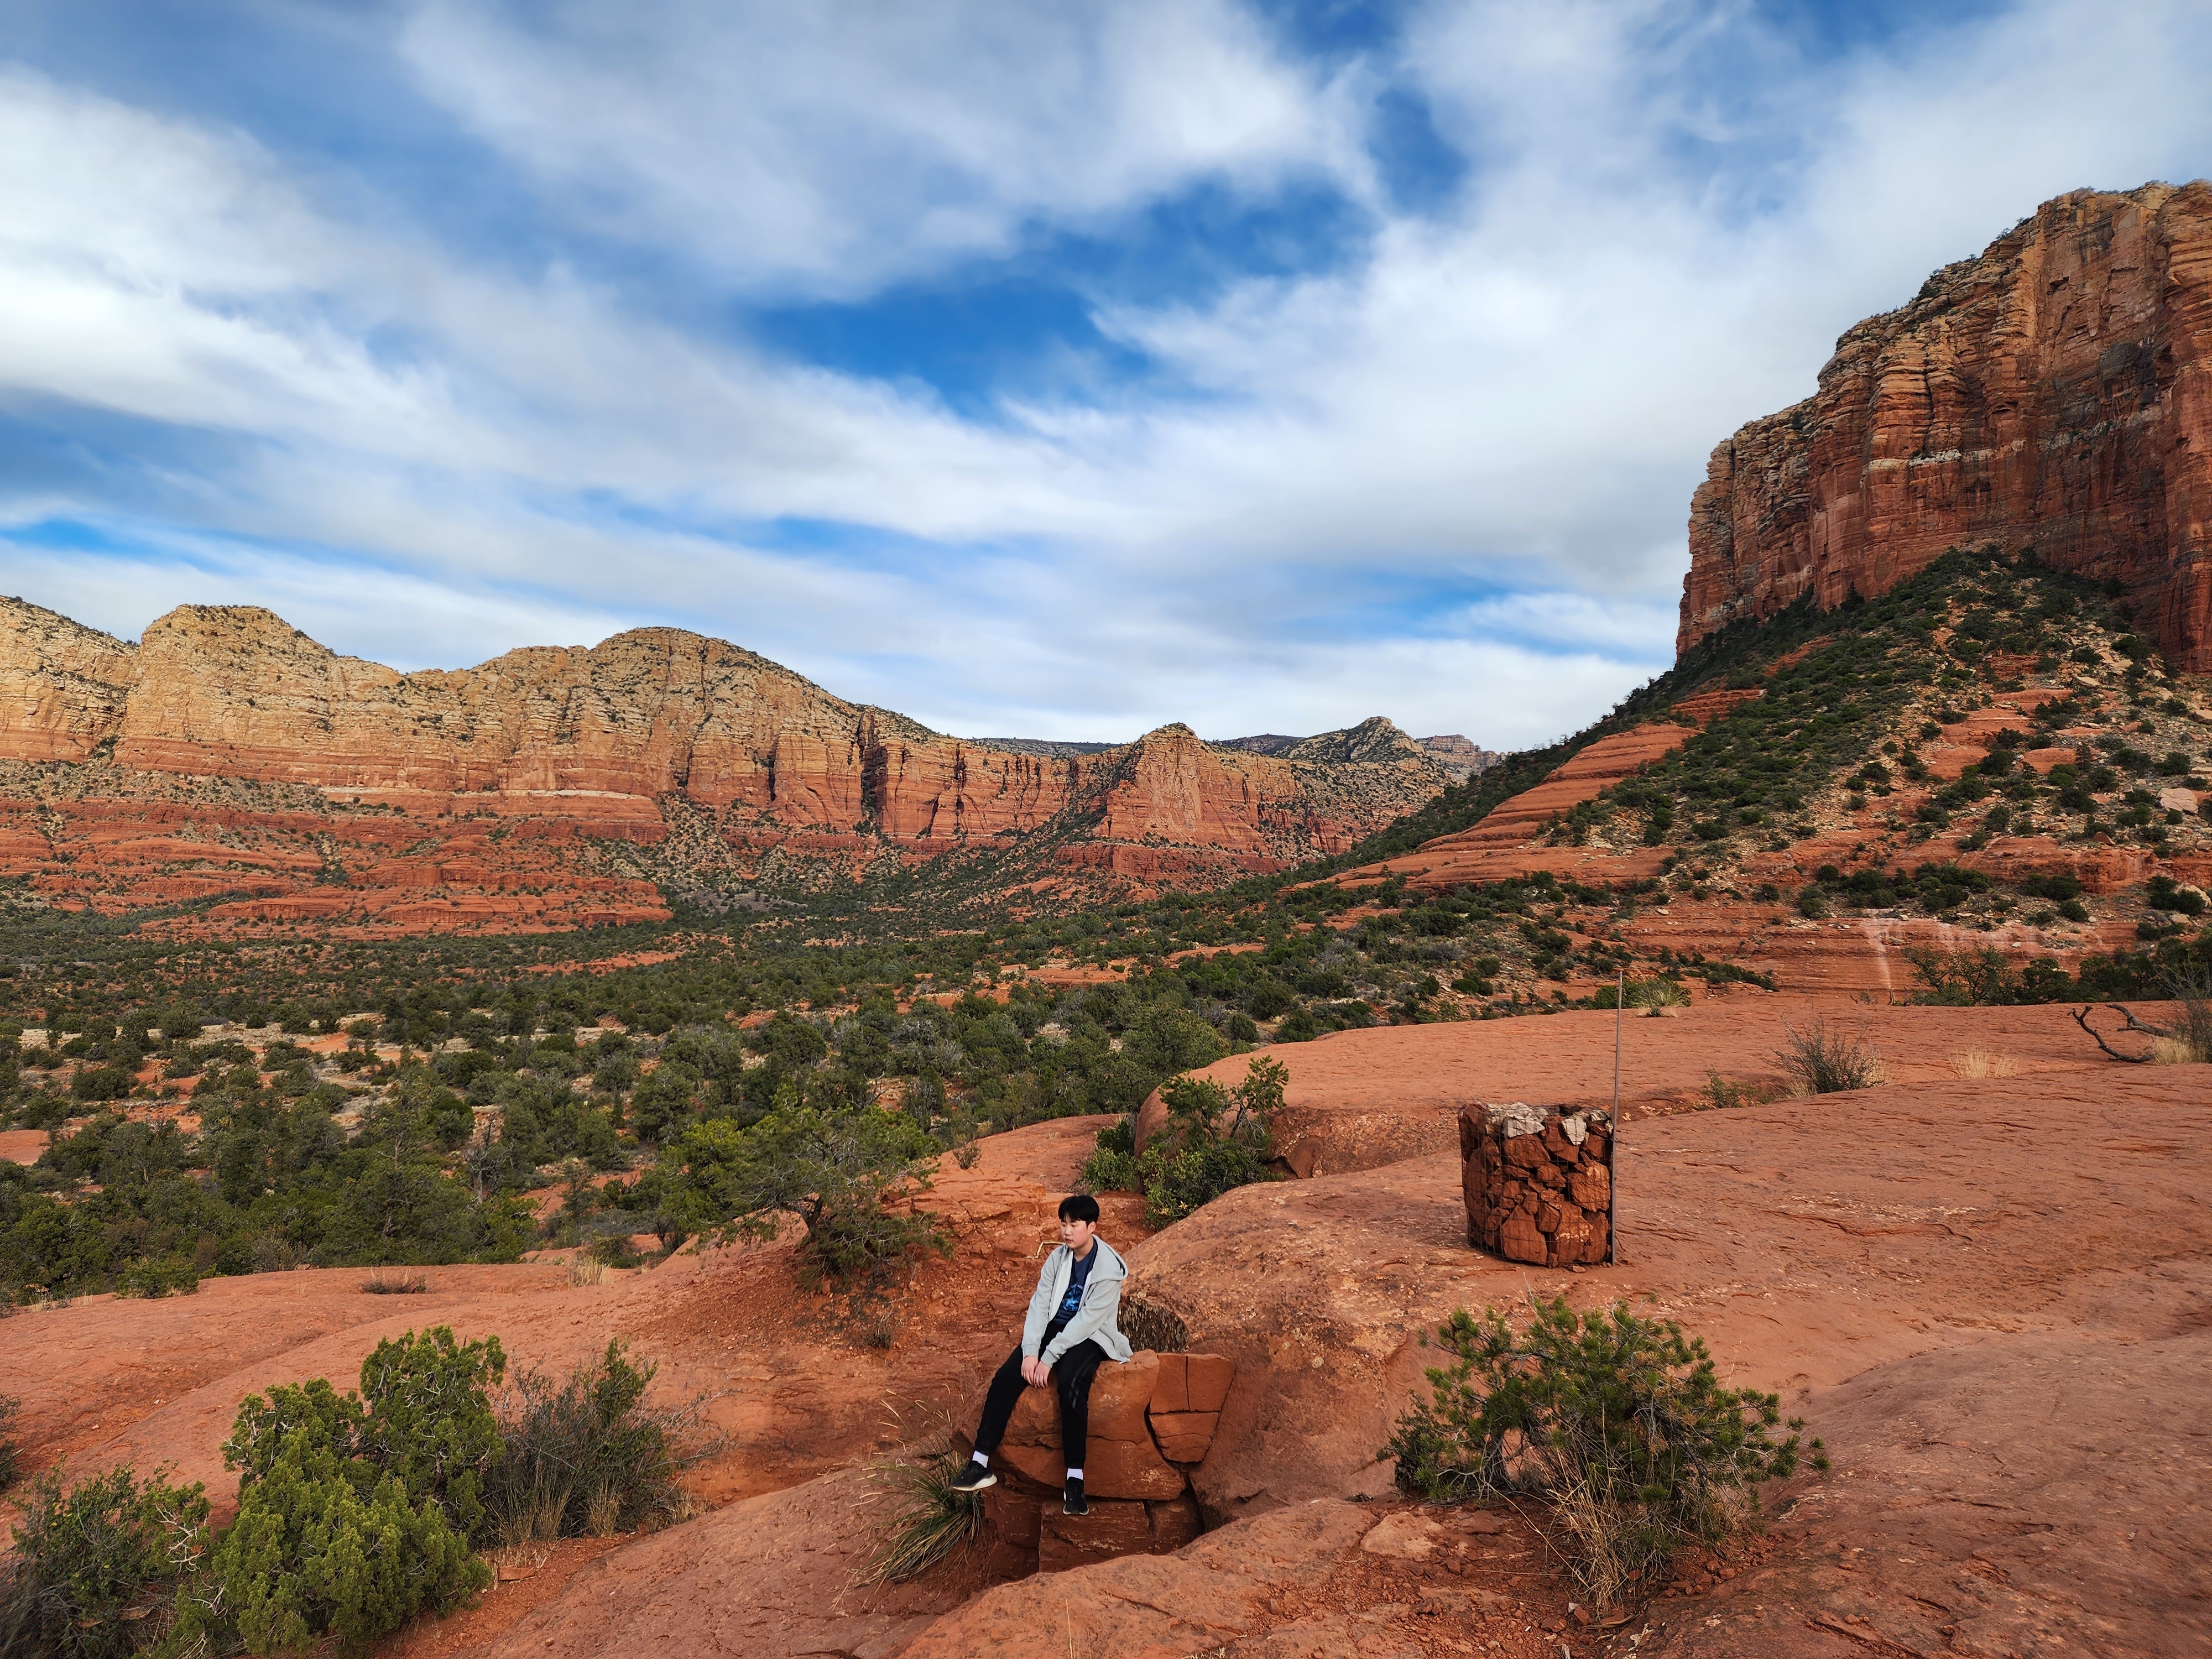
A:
x: 1077, y: 1277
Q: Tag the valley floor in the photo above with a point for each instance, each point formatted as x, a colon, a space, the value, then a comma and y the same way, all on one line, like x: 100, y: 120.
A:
x: 1987, y: 1283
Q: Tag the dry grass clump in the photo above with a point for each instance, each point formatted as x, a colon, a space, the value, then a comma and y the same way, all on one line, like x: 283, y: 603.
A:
x: 585, y: 1456
x: 1977, y: 1063
x: 1722, y: 1093
x: 1819, y: 1062
x: 928, y: 1522
x: 1657, y: 997
x: 2188, y: 1040
x: 380, y: 1283
x: 587, y: 1270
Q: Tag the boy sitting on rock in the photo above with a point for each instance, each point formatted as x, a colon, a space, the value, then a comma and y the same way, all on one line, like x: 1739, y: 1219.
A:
x: 1073, y: 1328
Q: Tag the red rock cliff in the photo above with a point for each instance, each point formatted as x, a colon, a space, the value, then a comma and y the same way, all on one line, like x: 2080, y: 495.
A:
x: 658, y: 719
x: 2053, y: 394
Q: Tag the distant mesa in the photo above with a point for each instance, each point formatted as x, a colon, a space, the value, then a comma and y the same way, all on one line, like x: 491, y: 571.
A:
x: 2053, y: 395
x: 1042, y: 747
x: 661, y: 760
x: 1460, y: 759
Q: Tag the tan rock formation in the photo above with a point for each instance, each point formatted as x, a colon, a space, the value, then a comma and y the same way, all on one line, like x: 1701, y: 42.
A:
x: 62, y: 684
x: 652, y: 732
x: 2053, y: 394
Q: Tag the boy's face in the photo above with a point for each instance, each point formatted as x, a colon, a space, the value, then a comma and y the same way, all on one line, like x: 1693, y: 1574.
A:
x: 1077, y: 1235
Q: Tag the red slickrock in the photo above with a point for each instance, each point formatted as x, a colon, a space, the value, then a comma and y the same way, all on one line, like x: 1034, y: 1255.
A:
x: 1184, y: 1436
x: 2055, y: 393
x: 1112, y: 1527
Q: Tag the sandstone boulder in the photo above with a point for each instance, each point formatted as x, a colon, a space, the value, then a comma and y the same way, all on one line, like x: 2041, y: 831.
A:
x: 1196, y: 1600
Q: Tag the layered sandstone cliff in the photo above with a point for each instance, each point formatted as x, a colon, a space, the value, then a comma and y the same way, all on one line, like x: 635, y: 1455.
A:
x: 657, y: 720
x: 2053, y: 395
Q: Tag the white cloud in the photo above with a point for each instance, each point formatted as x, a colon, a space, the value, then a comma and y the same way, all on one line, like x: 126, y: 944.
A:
x: 829, y: 148
x: 1515, y: 392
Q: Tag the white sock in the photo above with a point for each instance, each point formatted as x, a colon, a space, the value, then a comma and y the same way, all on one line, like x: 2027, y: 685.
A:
x: 1075, y: 1475
x: 984, y: 1459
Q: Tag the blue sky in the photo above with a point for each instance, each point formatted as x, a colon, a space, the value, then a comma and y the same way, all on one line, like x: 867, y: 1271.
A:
x: 1055, y: 371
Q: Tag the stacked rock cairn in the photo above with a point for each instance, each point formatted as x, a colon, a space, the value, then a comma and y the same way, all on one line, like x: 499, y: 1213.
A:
x: 1538, y: 1182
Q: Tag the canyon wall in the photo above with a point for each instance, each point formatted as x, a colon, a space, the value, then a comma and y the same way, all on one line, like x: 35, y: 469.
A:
x: 613, y: 739
x: 2052, y: 395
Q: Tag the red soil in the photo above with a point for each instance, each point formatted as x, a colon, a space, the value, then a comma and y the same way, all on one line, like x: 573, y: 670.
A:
x: 1983, y: 1282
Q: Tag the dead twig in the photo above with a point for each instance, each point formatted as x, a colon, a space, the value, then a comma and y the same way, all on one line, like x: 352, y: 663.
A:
x: 2081, y: 1019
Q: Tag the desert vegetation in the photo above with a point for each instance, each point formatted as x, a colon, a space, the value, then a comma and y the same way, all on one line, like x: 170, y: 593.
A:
x: 355, y: 1511
x: 1618, y: 1424
x: 926, y: 1523
x: 1215, y: 1140
x: 238, y: 1104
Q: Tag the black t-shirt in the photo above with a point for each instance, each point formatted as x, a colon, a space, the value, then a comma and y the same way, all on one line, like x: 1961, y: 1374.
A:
x: 1077, y: 1277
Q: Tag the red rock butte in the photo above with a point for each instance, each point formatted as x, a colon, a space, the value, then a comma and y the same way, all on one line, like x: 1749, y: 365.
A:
x: 2053, y: 395
x: 651, y: 731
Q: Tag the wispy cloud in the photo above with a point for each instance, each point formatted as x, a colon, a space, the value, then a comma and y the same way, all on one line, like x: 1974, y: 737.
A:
x: 1431, y: 461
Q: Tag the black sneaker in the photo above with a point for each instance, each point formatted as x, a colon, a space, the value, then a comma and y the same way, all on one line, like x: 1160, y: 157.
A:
x: 974, y: 1477
x: 1074, y: 1503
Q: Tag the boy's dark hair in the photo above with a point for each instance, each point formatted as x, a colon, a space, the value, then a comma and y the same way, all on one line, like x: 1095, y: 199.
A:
x: 1079, y: 1206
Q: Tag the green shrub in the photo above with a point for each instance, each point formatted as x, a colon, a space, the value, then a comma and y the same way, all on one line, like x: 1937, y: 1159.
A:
x: 429, y: 1421
x: 1825, y: 1062
x: 1112, y: 1167
x: 1620, y: 1422
x: 355, y: 1512
x: 169, y: 1275
x: 583, y: 1457
x: 96, y: 1566
x: 1215, y: 1140
x: 834, y: 1169
x: 10, y: 1406
x: 102, y: 1083
x: 323, y: 1546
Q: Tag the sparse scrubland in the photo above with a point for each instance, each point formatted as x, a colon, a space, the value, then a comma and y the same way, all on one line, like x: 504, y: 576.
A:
x: 243, y: 1105
x: 355, y: 1511
x: 209, y: 1108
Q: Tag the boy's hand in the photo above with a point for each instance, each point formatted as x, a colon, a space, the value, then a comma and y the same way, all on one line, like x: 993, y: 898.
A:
x: 1035, y: 1372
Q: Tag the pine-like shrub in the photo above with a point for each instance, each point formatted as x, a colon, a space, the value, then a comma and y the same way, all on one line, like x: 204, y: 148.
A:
x: 1620, y: 1422
x: 1215, y: 1139
x: 357, y: 1510
x: 1112, y: 1165
x: 834, y: 1168
x: 95, y: 1567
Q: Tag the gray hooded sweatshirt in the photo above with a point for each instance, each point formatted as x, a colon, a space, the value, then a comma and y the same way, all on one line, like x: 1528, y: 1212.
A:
x: 1097, y: 1319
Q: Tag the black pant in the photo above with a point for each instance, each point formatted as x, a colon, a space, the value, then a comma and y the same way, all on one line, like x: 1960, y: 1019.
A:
x: 1071, y: 1375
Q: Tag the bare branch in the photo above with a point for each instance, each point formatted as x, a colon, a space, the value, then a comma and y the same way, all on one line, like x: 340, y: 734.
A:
x: 2135, y: 1024
x: 2081, y: 1018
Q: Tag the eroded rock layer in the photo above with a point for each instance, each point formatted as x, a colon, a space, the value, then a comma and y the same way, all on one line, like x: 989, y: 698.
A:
x: 2053, y: 394
x: 667, y: 735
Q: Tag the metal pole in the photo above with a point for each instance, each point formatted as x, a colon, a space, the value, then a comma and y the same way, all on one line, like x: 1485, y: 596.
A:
x: 1613, y: 1145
